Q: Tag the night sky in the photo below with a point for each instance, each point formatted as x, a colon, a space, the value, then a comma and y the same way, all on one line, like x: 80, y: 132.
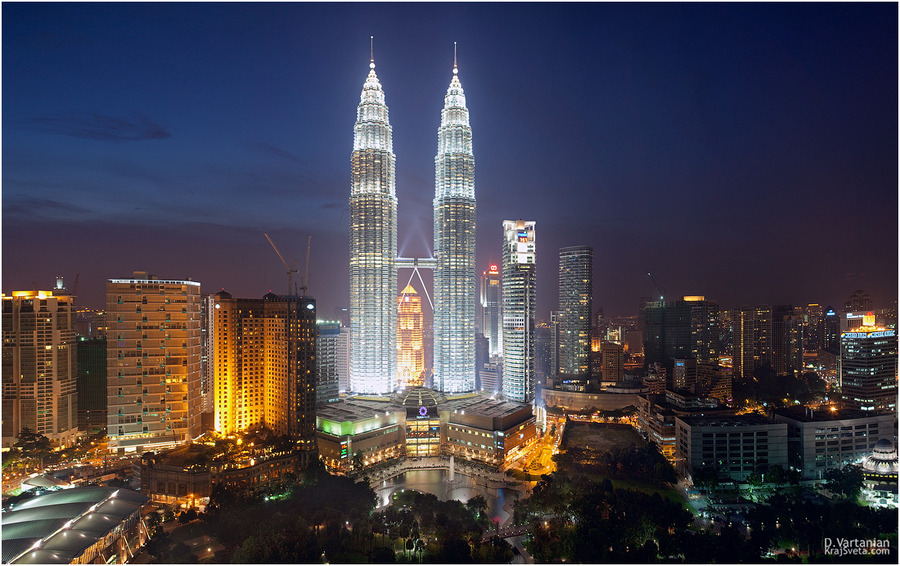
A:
x: 746, y: 152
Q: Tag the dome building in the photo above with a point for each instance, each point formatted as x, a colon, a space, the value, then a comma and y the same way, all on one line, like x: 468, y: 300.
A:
x: 880, y: 472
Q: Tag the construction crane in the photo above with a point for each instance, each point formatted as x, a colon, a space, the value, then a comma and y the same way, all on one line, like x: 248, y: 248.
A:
x: 305, y: 285
x: 662, y: 292
x: 290, y: 270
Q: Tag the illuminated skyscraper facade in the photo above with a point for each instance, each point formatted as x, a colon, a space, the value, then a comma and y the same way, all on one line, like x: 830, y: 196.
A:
x: 868, y: 367
x: 518, y: 310
x: 491, y: 324
x: 576, y: 281
x: 265, y: 366
x: 410, y: 349
x: 454, y: 246
x: 39, y: 372
x: 373, y: 246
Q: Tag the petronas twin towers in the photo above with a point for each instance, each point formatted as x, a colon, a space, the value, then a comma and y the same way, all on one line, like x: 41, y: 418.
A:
x: 373, y: 246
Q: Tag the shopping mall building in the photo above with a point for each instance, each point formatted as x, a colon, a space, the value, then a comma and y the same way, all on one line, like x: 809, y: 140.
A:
x: 419, y: 422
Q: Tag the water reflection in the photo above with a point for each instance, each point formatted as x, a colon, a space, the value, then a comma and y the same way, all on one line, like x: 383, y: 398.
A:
x: 462, y: 488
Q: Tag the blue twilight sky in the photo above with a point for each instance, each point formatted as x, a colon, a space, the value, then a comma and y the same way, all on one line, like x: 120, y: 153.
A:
x: 747, y: 152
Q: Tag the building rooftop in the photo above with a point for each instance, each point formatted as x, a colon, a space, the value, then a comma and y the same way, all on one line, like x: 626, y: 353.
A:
x: 752, y: 419
x: 356, y: 408
x: 60, y: 526
x: 483, y: 405
x: 359, y: 408
x: 806, y: 415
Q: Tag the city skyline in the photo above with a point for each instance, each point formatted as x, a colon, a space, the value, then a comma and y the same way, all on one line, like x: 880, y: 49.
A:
x: 759, y: 139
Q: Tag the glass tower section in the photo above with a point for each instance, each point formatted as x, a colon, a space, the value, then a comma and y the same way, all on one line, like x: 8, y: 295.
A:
x: 454, y: 246
x: 373, y: 246
x: 518, y: 310
x: 576, y: 266
x: 491, y: 325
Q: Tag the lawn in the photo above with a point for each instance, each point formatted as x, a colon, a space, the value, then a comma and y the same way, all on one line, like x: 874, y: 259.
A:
x: 601, y: 437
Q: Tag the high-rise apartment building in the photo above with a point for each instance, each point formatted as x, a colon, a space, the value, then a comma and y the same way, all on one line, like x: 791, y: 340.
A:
x: 265, y: 354
x: 153, y: 362
x: 576, y: 281
x: 752, y: 339
x: 491, y: 322
x: 454, y: 246
x: 518, y: 309
x: 373, y: 246
x: 868, y: 367
x: 39, y: 371
x: 410, y: 345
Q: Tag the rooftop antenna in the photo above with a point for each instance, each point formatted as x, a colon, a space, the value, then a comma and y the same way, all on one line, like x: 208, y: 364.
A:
x: 455, y: 70
x: 371, y: 51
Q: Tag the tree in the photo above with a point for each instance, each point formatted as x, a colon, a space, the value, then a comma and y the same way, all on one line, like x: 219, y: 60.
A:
x: 477, y: 506
x: 33, y: 445
x: 846, y: 481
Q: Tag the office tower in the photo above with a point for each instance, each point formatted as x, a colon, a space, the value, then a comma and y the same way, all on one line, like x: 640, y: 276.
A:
x: 787, y: 340
x: 868, y: 367
x: 612, y: 356
x: 686, y: 328
x: 454, y: 246
x: 553, y: 327
x: 39, y: 373
x: 752, y: 339
x: 491, y: 325
x: 600, y: 323
x: 858, y: 301
x: 328, y: 353
x: 543, y: 358
x: 153, y: 362
x: 373, y: 245
x: 518, y: 309
x: 91, y: 383
x: 410, y: 348
x: 812, y: 327
x: 482, y: 356
x: 831, y: 335
x: 342, y: 359
x: 265, y: 352
x: 491, y: 377
x: 576, y: 283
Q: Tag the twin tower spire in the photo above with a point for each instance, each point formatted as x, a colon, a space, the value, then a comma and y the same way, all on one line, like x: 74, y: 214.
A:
x: 373, y: 245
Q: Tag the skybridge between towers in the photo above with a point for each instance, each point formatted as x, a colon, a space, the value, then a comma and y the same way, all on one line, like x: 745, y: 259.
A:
x: 417, y: 263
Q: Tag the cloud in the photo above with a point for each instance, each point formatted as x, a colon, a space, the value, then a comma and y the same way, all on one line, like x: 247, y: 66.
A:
x: 278, y: 152
x: 24, y: 205
x: 89, y: 125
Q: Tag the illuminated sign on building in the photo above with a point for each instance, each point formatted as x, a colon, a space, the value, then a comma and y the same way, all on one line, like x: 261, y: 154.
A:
x: 880, y: 334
